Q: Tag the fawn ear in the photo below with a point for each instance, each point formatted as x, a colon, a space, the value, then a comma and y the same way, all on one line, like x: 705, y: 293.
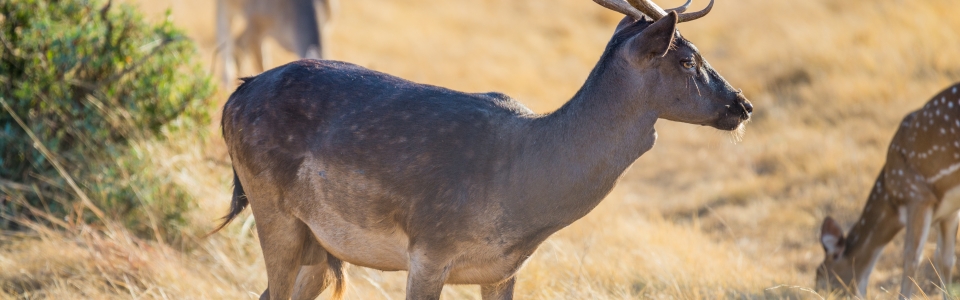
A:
x: 831, y: 236
x: 657, y: 38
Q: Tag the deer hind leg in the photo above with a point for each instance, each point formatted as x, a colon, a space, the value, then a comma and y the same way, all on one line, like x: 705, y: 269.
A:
x: 918, y: 228
x: 498, y: 291
x: 316, y: 266
x: 314, y: 279
x: 282, y: 238
x: 946, y: 244
x: 315, y: 272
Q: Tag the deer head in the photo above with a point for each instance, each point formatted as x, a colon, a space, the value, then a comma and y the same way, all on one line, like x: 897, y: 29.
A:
x: 837, y: 270
x: 677, y: 81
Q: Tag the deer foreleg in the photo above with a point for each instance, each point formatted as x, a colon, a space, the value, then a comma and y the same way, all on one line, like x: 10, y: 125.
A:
x: 498, y: 291
x: 919, y: 217
x: 427, y: 275
x: 946, y: 256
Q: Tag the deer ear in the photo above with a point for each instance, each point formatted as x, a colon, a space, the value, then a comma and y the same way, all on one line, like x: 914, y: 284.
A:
x: 657, y: 38
x: 831, y: 236
x: 626, y: 21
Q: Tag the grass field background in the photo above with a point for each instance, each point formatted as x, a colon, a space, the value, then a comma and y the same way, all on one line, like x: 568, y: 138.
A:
x: 697, y: 217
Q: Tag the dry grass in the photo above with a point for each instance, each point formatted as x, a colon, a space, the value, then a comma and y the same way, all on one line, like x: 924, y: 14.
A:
x: 698, y: 217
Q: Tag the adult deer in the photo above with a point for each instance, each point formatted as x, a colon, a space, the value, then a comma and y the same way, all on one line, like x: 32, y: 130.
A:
x: 918, y: 186
x: 341, y: 163
x: 297, y: 25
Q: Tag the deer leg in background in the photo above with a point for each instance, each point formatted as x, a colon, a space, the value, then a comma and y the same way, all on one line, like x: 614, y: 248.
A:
x: 263, y: 57
x: 225, y: 42
x: 499, y: 291
x: 308, y: 22
x: 250, y: 44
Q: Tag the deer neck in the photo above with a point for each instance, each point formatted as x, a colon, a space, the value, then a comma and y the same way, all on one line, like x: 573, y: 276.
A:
x: 878, y: 224
x: 578, y: 152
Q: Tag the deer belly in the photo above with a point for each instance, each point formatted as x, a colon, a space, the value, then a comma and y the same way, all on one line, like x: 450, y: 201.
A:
x: 485, y: 267
x: 379, y: 249
x: 950, y: 203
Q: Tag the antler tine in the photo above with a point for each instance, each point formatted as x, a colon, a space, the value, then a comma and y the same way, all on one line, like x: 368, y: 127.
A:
x: 648, y: 8
x: 695, y: 15
x: 680, y: 9
x: 638, y: 8
x: 621, y: 7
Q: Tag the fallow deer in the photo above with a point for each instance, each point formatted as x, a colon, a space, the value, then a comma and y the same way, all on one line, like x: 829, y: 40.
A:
x: 918, y: 186
x: 344, y: 164
x: 297, y: 25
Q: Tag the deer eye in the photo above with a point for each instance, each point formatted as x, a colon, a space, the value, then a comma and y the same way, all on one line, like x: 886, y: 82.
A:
x: 688, y: 64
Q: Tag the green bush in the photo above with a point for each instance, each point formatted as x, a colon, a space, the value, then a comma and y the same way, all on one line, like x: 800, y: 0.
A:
x: 89, y: 78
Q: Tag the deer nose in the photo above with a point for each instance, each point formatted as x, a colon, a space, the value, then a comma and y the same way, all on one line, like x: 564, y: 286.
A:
x: 744, y: 103
x: 747, y: 106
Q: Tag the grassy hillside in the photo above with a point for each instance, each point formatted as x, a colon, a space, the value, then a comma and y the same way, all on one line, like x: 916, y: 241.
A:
x: 697, y: 217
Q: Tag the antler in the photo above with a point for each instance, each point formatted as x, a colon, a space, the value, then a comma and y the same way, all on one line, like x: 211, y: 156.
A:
x: 621, y: 7
x: 637, y: 8
x: 681, y: 8
x: 686, y: 17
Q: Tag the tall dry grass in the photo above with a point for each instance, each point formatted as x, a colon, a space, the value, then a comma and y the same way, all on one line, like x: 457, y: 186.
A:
x: 697, y: 217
